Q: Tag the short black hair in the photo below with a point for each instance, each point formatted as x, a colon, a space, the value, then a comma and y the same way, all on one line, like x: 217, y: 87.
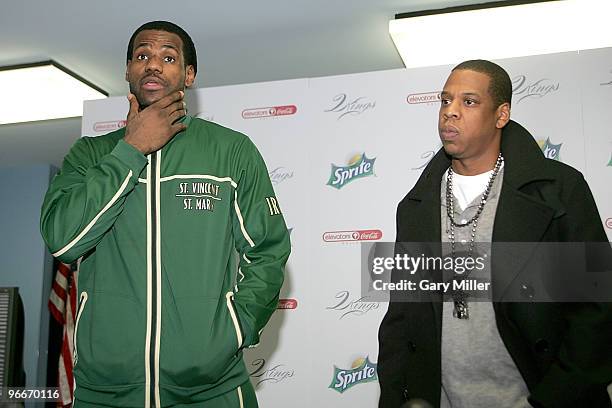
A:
x: 189, y: 51
x: 500, y: 85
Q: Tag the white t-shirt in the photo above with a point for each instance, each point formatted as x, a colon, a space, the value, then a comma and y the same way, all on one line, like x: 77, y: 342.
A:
x: 467, y: 188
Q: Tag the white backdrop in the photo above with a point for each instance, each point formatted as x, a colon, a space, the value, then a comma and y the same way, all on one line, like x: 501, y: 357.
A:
x: 565, y: 100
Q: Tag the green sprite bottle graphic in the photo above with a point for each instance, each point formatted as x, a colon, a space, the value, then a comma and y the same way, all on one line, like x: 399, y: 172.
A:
x: 362, y: 371
x: 358, y: 167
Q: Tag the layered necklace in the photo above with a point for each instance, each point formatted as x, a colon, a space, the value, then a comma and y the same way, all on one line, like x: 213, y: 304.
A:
x: 460, y: 310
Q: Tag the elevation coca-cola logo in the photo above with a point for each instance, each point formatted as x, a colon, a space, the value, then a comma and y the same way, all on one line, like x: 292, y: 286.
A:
x: 287, y: 304
x: 275, y: 373
x: 426, y: 97
x: 269, y: 111
x: 356, y: 235
x: 524, y: 89
x: 109, y: 126
x: 345, y: 106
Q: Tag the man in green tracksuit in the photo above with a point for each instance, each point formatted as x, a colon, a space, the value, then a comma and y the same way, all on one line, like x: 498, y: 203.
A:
x: 182, y: 242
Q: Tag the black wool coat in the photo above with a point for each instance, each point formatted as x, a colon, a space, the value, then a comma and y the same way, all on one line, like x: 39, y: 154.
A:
x: 562, y: 350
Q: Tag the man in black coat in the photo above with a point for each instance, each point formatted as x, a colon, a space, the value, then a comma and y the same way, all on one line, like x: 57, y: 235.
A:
x: 491, y: 182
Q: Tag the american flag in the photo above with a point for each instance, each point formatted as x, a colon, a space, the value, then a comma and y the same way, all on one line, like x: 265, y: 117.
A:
x: 63, y: 307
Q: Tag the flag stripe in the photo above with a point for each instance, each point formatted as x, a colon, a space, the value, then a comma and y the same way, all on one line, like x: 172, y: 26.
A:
x: 63, y: 305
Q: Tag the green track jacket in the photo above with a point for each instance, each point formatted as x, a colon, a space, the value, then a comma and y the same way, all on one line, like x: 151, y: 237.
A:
x: 182, y: 252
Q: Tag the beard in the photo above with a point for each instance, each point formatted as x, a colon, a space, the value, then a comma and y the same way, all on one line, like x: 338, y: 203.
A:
x: 147, y: 98
x: 143, y: 100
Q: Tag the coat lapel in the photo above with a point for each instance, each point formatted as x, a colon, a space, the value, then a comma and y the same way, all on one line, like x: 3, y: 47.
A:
x: 425, y: 222
x: 522, y: 215
x: 519, y: 218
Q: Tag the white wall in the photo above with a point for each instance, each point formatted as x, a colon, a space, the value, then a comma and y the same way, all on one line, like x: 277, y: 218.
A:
x: 563, y: 98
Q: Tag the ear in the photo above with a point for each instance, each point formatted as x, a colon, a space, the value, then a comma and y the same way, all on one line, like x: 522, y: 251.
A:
x: 189, y: 76
x: 503, y: 115
x: 127, y: 70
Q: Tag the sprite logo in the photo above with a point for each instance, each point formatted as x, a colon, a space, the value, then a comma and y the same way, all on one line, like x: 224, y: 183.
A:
x: 362, y: 371
x: 551, y: 151
x: 359, y: 166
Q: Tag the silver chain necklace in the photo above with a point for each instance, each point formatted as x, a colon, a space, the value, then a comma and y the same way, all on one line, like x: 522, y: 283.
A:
x: 460, y: 310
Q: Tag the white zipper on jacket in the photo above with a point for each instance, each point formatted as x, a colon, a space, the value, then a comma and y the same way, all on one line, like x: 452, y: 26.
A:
x: 158, y: 279
x: 152, y: 344
x: 147, y: 354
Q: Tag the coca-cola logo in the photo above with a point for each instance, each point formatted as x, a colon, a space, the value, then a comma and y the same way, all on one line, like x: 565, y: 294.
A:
x: 109, y: 126
x: 269, y: 111
x: 357, y: 235
x: 262, y: 373
x: 345, y: 106
x: 287, y: 304
x: 426, y: 97
x: 524, y: 89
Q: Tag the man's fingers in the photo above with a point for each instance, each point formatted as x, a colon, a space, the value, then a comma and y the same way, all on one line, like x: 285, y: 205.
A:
x: 176, y: 115
x: 176, y: 106
x: 170, y: 99
x: 133, y: 106
x: 178, y: 127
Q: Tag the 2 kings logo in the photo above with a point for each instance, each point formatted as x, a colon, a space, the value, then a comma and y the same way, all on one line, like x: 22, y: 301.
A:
x: 523, y: 89
x: 280, y: 174
x: 347, y: 307
x: 264, y: 373
x: 345, y: 106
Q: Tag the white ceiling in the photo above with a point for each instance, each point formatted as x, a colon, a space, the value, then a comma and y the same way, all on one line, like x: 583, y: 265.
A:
x: 237, y: 42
